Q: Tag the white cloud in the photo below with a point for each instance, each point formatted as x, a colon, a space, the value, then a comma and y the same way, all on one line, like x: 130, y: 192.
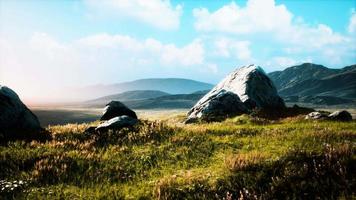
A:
x: 96, y: 59
x: 352, y: 23
x: 150, y: 49
x: 284, y: 61
x: 276, y: 32
x: 192, y: 54
x: 158, y: 13
x: 212, y: 67
x: 42, y: 42
x: 311, y: 37
x: 278, y: 63
x: 265, y: 17
x: 257, y: 16
x: 227, y: 48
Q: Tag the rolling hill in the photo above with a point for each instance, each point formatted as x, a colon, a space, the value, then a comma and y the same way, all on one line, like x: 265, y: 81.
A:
x: 316, y: 84
x: 175, y: 101
x: 167, y: 85
x: 129, y: 96
x: 305, y: 83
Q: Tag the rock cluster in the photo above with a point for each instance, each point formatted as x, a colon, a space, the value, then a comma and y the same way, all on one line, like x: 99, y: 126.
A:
x: 16, y: 120
x: 317, y: 115
x: 340, y: 115
x: 115, y: 117
x: 243, y: 90
x: 116, y: 108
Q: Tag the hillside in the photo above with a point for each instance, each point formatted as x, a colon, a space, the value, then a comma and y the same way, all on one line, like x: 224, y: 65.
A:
x: 339, y: 85
x: 128, y: 96
x: 166, y: 102
x: 242, y: 157
x: 307, y: 83
x: 167, y: 85
x: 334, y: 86
x: 175, y: 101
x: 296, y: 74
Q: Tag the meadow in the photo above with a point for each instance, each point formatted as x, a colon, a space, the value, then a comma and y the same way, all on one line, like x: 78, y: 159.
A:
x: 161, y: 158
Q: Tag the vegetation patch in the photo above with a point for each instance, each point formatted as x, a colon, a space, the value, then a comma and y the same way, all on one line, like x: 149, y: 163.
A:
x: 239, y: 158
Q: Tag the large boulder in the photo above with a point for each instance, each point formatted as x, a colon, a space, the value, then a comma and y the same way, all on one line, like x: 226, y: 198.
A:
x: 16, y: 120
x: 242, y: 91
x: 217, y: 106
x: 117, y: 123
x: 340, y: 116
x: 116, y: 109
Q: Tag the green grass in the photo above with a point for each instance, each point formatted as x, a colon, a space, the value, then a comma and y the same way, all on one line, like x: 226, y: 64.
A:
x: 239, y: 157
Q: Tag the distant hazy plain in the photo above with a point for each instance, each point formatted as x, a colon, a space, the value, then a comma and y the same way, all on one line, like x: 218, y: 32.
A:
x: 64, y: 115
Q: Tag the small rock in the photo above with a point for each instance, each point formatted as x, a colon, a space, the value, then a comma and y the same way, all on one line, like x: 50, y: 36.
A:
x: 116, y: 109
x: 90, y: 129
x: 317, y: 115
x: 340, y: 116
x: 117, y: 123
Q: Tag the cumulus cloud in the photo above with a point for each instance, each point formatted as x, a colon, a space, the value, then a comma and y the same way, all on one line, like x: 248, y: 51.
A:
x: 276, y: 31
x: 101, y: 58
x: 227, y: 48
x: 257, y: 16
x: 158, y: 13
x: 281, y: 62
x: 264, y: 17
x: 149, y: 49
x: 352, y: 23
x: 284, y: 61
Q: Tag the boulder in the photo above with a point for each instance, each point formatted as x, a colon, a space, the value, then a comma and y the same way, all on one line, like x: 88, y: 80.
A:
x: 340, y: 116
x: 217, y: 106
x: 16, y: 120
x: 317, y: 115
x: 117, y: 123
x: 242, y: 91
x: 116, y: 109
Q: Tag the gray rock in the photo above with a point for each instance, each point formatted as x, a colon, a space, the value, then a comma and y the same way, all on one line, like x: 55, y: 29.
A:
x: 16, y: 120
x: 117, y: 123
x: 90, y: 130
x: 218, y: 106
x: 340, y: 116
x: 317, y: 115
x: 116, y: 109
x: 241, y: 91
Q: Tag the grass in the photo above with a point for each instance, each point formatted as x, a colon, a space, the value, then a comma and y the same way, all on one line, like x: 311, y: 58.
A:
x: 242, y: 157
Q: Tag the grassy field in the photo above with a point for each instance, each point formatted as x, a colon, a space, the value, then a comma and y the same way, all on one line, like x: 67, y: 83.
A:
x: 161, y: 158
x: 65, y: 115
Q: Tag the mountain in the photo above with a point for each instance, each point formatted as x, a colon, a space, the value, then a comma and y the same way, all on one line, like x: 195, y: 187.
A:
x: 306, y: 83
x: 319, y: 100
x: 167, y: 85
x: 317, y: 84
x: 129, y: 96
x: 168, y: 101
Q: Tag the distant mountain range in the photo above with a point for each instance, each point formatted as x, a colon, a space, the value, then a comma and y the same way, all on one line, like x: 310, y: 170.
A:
x: 166, y: 85
x: 317, y: 84
x: 306, y: 83
x: 129, y: 96
x: 150, y: 99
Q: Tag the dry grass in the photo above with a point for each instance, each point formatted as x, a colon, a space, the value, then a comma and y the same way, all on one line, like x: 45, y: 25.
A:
x: 242, y: 157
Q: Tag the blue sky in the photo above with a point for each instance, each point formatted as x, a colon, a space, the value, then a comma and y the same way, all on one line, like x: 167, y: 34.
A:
x: 46, y: 46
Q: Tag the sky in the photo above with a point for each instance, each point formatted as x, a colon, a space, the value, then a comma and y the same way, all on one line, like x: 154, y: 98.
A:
x: 47, y: 47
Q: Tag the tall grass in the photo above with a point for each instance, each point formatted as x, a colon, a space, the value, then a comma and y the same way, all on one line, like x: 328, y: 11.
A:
x: 239, y: 158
